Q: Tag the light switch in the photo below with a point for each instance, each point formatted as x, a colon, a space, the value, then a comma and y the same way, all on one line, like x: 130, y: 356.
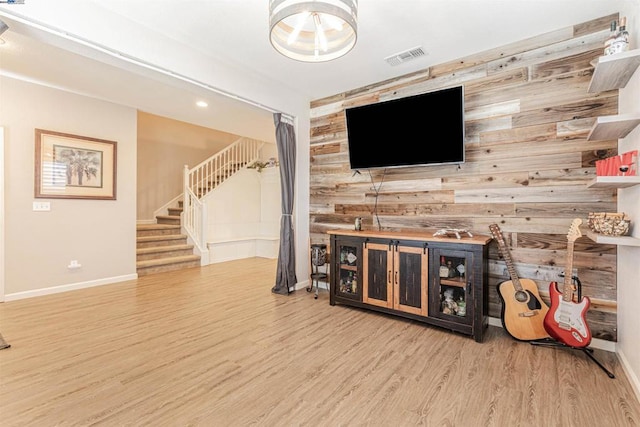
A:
x: 41, y: 206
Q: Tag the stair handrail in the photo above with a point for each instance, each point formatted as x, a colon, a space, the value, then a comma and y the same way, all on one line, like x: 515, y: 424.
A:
x: 213, y: 171
x: 206, y: 176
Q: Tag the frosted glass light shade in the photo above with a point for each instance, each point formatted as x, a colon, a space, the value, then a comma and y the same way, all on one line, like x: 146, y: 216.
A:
x: 313, y: 31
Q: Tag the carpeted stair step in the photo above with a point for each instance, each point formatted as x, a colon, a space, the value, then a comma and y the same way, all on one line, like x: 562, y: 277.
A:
x: 157, y: 229
x: 168, y: 219
x: 162, y: 247
x: 161, y: 265
x: 156, y: 252
x: 161, y: 240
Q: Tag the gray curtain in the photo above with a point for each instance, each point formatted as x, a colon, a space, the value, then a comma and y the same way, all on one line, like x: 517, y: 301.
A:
x: 286, y: 142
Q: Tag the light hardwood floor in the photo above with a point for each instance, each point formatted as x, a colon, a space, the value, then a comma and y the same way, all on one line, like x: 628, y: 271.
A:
x: 212, y: 346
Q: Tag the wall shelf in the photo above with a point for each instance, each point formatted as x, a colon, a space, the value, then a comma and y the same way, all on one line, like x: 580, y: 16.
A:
x: 611, y: 240
x: 614, y: 71
x: 613, y: 127
x: 614, y: 182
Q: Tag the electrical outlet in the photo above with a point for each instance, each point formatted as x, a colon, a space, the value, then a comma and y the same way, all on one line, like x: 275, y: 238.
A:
x: 41, y: 206
x: 74, y: 264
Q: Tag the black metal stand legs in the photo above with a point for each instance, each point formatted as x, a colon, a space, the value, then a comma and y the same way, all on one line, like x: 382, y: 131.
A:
x: 318, y: 258
x: 550, y: 342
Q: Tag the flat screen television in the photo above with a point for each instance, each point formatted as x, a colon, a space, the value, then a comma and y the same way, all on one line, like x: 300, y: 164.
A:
x: 424, y: 129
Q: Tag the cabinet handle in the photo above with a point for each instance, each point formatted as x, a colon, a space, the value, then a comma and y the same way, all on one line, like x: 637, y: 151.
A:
x: 424, y: 248
x: 365, y: 242
x: 396, y: 277
x: 388, y: 276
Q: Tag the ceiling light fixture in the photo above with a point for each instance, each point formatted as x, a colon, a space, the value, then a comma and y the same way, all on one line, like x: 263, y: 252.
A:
x: 313, y: 31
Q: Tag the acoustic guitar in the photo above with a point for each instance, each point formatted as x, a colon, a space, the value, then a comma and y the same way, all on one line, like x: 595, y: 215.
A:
x: 565, y: 321
x: 523, y: 311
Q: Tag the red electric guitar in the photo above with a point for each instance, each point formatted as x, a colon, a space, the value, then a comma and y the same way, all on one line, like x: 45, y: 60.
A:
x: 565, y: 321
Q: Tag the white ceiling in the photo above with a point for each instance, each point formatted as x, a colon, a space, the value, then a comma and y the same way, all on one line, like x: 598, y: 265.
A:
x: 53, y: 42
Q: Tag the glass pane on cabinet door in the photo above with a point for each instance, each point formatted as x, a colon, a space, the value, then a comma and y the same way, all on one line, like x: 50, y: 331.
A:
x: 348, y: 283
x: 453, y: 285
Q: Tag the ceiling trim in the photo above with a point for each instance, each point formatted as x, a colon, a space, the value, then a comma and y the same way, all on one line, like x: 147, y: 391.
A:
x: 133, y: 60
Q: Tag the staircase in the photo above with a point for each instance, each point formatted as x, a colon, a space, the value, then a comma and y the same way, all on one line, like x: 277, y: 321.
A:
x: 161, y: 247
x: 200, y: 180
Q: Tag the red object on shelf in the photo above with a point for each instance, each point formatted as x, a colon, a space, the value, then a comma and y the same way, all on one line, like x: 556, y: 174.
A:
x: 628, y: 164
x: 625, y: 164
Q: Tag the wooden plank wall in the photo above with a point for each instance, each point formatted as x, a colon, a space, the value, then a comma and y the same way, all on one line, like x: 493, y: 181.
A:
x: 528, y: 162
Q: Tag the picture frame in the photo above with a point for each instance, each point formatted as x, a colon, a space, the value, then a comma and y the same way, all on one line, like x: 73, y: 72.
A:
x: 74, y: 167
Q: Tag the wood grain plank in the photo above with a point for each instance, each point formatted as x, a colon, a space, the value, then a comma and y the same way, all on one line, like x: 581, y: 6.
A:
x: 528, y: 162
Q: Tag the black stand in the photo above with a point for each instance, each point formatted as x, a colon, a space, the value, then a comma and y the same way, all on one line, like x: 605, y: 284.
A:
x: 550, y: 342
x: 318, y: 258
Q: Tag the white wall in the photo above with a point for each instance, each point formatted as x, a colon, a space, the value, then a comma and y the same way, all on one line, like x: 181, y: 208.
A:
x: 184, y: 60
x: 244, y: 216
x: 234, y: 207
x: 628, y: 346
x: 270, y: 202
x: 165, y: 146
x: 1, y: 212
x: 100, y: 234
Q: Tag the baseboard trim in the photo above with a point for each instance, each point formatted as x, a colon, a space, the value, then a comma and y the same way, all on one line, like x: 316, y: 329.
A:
x: 305, y: 284
x: 241, y: 239
x: 70, y: 287
x: 224, y: 250
x: 631, y: 376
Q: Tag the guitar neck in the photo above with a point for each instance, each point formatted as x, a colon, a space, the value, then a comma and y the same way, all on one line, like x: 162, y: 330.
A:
x: 574, y: 233
x: 567, y: 290
x: 497, y: 234
x: 512, y: 273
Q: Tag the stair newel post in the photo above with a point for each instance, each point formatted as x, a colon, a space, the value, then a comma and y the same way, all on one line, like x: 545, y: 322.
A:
x: 203, y: 226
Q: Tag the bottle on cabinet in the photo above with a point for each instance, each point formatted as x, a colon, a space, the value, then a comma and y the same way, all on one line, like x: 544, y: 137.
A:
x: 621, y: 42
x: 444, y: 270
x: 462, y: 307
x: 451, y: 272
x: 461, y: 269
x: 612, y: 36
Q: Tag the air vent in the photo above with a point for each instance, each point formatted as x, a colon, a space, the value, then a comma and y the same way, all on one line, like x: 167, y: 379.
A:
x: 404, y: 56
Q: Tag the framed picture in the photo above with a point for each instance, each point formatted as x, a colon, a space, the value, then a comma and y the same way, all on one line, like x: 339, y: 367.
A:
x: 74, y: 167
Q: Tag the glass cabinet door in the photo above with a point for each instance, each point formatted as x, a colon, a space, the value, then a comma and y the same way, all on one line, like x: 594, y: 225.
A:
x: 348, y: 281
x: 451, y: 297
